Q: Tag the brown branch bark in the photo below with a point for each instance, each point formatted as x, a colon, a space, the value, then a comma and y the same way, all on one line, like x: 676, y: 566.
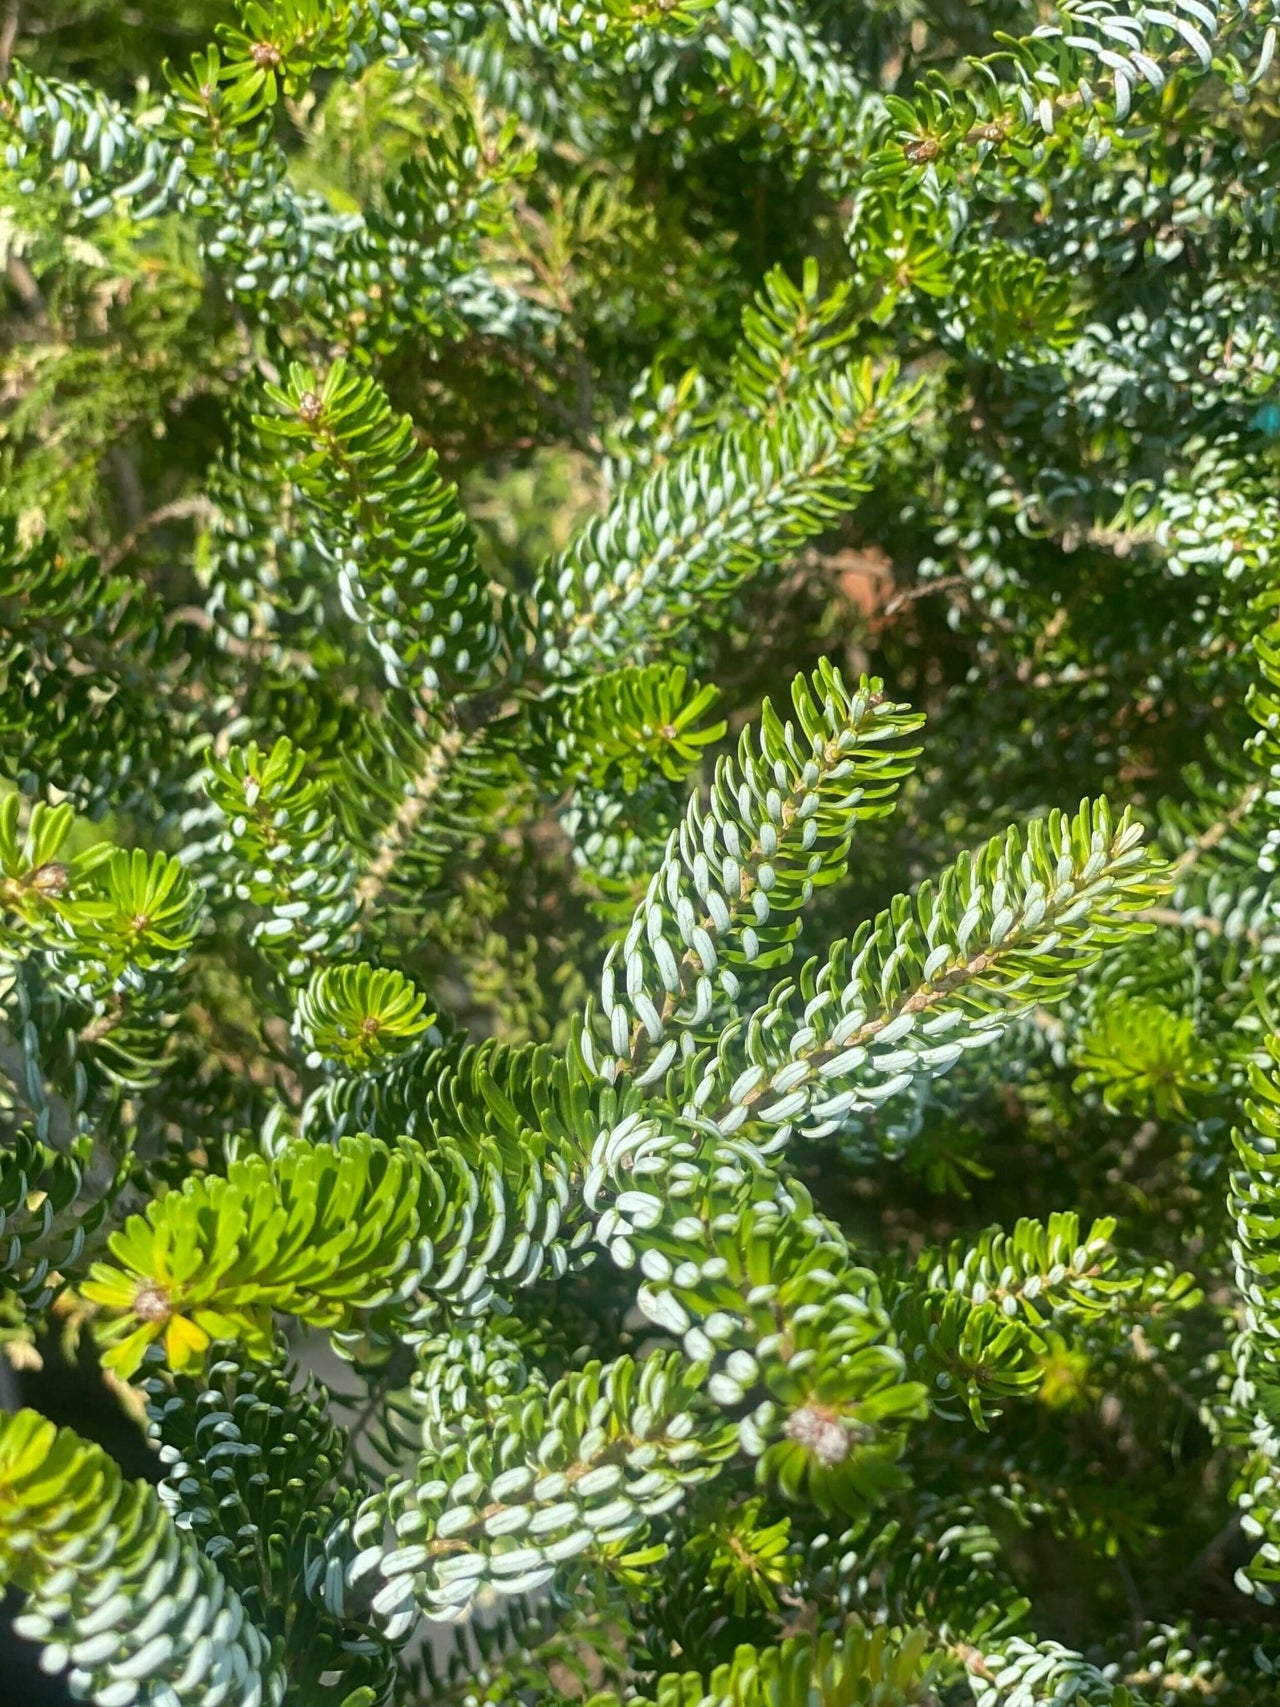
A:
x: 181, y: 508
x: 9, y: 33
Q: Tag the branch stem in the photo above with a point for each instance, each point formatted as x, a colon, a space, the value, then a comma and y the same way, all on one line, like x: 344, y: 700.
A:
x: 426, y: 782
x: 203, y: 509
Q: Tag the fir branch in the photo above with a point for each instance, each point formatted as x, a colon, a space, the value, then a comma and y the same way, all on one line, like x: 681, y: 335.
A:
x: 1040, y: 904
x: 1217, y: 832
x: 75, y: 1536
x: 502, y: 1506
x: 746, y: 497
x: 418, y: 796
x: 196, y: 508
x: 779, y: 824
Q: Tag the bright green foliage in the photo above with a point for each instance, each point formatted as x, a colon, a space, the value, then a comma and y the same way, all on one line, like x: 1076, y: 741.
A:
x: 559, y: 566
x: 37, y: 884
x: 877, y: 1668
x: 331, y: 1234
x: 620, y: 727
x: 78, y: 1539
x: 741, y: 1559
x: 791, y: 335
x: 1140, y: 1056
x: 356, y: 1017
x: 111, y: 931
x: 976, y: 1320
x: 141, y: 912
x: 214, y: 1259
x: 974, y: 1354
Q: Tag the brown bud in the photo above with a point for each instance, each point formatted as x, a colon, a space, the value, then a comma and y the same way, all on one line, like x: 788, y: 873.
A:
x: 310, y: 407
x: 921, y: 149
x: 266, y: 55
x: 151, y: 1303
x: 50, y: 879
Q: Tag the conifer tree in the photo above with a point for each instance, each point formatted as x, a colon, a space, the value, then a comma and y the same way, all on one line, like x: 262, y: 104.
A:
x: 563, y: 571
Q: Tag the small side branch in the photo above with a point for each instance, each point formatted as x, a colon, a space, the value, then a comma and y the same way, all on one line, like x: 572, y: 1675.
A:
x: 399, y: 831
x: 1194, y: 921
x: 203, y: 509
x: 1216, y: 832
x: 9, y: 34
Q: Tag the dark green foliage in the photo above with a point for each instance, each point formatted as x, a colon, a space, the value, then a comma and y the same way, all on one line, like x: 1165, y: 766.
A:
x: 561, y: 568
x: 254, y: 1470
